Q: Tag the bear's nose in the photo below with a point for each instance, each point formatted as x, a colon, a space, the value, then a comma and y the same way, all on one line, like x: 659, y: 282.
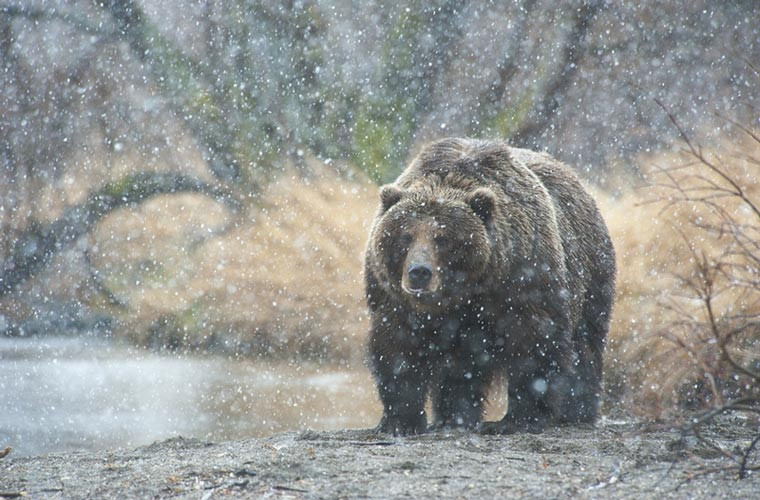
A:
x: 419, y: 276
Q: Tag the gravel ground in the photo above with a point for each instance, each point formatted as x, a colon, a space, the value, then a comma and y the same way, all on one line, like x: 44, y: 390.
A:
x: 613, y: 460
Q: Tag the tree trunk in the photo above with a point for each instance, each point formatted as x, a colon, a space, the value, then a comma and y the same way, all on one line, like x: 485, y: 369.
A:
x: 555, y: 90
x: 36, y: 247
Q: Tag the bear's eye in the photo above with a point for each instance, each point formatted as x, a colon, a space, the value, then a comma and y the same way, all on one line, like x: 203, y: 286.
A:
x: 441, y: 241
x: 405, y: 240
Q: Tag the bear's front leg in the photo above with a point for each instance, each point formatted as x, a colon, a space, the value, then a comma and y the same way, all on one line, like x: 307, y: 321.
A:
x: 402, y: 376
x: 402, y: 385
x: 464, y: 375
x: 528, y: 409
x: 539, y: 365
x: 459, y: 398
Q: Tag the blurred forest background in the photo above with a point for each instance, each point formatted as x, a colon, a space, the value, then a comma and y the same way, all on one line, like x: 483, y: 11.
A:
x: 200, y: 175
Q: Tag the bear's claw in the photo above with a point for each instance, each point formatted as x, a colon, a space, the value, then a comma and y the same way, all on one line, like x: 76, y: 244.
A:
x: 398, y: 426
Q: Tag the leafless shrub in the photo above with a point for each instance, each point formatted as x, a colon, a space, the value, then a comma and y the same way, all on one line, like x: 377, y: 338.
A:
x: 713, y: 311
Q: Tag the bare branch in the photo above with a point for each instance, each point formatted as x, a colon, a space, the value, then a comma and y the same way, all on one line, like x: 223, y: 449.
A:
x: 574, y: 50
x: 740, y: 127
x: 52, y: 14
x: 699, y: 155
x: 507, y: 67
x: 37, y: 246
x: 727, y: 355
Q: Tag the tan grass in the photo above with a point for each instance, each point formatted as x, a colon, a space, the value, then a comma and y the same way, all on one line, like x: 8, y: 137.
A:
x: 285, y: 278
x: 660, y: 355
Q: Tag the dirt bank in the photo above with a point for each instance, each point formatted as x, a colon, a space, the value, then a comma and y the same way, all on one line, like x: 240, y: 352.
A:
x: 614, y: 460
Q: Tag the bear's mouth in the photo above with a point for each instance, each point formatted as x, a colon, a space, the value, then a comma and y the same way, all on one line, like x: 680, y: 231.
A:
x: 417, y: 292
x: 423, y: 298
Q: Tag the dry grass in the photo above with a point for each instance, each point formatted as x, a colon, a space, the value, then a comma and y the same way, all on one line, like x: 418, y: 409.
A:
x: 284, y: 278
x: 662, y: 353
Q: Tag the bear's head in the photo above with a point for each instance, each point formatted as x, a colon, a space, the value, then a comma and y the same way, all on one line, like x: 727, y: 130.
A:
x: 433, y: 250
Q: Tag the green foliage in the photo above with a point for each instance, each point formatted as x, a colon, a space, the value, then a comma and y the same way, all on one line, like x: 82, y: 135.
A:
x: 266, y: 93
x: 386, y: 121
x: 506, y: 121
x: 382, y: 135
x: 120, y: 187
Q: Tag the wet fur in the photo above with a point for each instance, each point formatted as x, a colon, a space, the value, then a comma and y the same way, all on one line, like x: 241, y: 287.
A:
x: 535, y: 305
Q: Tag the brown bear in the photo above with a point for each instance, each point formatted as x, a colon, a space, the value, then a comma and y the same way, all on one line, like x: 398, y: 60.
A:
x: 487, y: 261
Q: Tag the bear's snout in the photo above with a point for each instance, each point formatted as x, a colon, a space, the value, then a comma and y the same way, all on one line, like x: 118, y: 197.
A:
x: 419, y: 276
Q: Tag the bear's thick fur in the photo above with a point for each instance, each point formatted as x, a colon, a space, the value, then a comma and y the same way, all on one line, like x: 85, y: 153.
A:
x: 487, y: 261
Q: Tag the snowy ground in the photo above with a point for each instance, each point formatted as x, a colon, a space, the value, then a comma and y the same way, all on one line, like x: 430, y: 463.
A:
x: 614, y: 460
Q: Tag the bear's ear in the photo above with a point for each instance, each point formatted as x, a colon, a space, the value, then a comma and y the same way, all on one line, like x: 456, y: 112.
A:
x: 482, y: 201
x: 390, y: 195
